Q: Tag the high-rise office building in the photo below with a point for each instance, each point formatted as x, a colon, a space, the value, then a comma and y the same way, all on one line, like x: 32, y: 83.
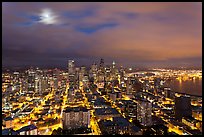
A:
x: 31, y: 80
x: 82, y: 73
x: 93, y: 72
x: 129, y: 88
x: 122, y: 76
x: 144, y: 112
x: 71, y: 73
x: 16, y: 77
x: 94, y: 68
x: 114, y: 71
x: 44, y: 84
x: 71, y: 94
x: 101, y: 65
x: 77, y: 82
x: 38, y: 84
x: 182, y: 107
x: 71, y: 66
x: 101, y: 74
x: 85, y: 81
x: 113, y: 64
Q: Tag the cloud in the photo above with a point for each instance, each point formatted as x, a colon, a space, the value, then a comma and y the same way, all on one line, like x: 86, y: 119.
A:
x: 89, y: 29
x: 47, y: 16
x: 79, y: 14
x: 125, y: 32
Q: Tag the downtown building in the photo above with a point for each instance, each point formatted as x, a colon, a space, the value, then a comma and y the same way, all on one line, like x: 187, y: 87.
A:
x: 28, y: 130
x: 93, y: 72
x: 101, y: 75
x: 72, y: 80
x: 31, y: 81
x: 75, y: 117
x: 118, y: 126
x: 71, y: 73
x: 182, y: 107
x: 144, y: 112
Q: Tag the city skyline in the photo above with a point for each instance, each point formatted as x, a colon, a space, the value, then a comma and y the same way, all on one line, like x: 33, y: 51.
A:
x: 131, y: 34
x: 101, y: 68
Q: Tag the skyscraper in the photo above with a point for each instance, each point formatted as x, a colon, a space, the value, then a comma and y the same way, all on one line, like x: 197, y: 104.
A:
x: 31, y: 80
x: 101, y: 73
x: 71, y: 94
x: 101, y: 65
x: 44, y: 83
x: 71, y: 66
x: 144, y: 112
x: 182, y: 107
x: 93, y: 72
x: 114, y: 71
x: 129, y: 88
x: 38, y: 84
x: 71, y: 73
x: 113, y: 65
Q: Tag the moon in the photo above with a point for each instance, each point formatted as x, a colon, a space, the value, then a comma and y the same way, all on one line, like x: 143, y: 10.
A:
x: 48, y: 17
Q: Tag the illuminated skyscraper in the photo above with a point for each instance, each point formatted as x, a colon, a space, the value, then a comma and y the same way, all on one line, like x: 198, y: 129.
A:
x: 122, y: 76
x: 101, y: 72
x: 71, y: 94
x: 144, y: 112
x: 129, y: 88
x: 38, y: 84
x: 31, y: 80
x: 113, y: 71
x: 71, y: 73
x: 44, y: 84
x: 71, y: 66
x: 93, y: 72
x: 113, y: 65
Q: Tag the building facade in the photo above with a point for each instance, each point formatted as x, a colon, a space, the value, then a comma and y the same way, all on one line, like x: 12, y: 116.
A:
x: 73, y: 118
x: 182, y: 107
x: 144, y: 112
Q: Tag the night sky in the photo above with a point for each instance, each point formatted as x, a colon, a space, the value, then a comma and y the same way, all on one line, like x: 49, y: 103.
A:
x: 131, y: 34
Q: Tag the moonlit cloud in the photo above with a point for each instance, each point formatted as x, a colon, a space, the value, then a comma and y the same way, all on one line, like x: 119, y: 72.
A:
x: 47, y: 16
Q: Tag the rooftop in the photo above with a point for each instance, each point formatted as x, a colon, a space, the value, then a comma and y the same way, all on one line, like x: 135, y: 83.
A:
x: 135, y: 128
x: 9, y: 132
x: 75, y: 109
x: 190, y: 119
x: 8, y: 118
x: 106, y: 111
x: 27, y: 128
x: 120, y: 121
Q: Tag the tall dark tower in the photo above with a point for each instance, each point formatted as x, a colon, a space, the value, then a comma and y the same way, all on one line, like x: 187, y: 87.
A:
x: 182, y: 107
x: 31, y: 80
x: 71, y: 73
x: 101, y: 67
x: 101, y: 73
x: 101, y: 63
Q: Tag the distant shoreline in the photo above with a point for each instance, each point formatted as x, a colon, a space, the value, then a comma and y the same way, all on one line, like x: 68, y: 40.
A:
x: 190, y: 94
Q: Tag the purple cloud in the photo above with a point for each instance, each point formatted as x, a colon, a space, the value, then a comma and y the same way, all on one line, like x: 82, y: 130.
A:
x: 129, y: 33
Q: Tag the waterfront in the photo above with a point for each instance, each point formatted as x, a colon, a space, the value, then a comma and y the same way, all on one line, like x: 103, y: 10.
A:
x: 193, y: 87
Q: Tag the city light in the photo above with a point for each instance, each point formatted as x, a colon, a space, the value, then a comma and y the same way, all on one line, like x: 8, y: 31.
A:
x: 101, y: 69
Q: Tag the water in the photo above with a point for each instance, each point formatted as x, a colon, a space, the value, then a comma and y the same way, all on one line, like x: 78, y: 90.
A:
x: 193, y: 87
